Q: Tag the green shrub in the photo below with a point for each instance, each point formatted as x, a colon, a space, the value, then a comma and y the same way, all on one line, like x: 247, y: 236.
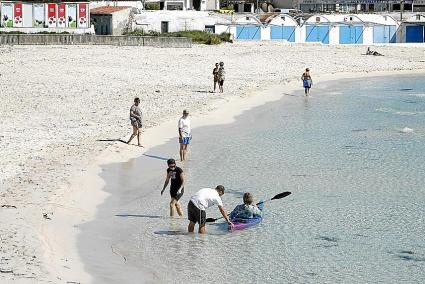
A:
x: 225, y: 37
x: 201, y: 37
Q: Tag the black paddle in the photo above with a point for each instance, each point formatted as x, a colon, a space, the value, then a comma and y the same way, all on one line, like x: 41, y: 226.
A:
x: 277, y: 196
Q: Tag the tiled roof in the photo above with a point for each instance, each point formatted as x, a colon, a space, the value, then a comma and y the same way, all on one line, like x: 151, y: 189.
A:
x: 108, y: 9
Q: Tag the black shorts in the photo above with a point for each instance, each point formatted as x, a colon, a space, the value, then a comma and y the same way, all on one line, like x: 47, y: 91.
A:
x: 173, y: 194
x: 196, y: 215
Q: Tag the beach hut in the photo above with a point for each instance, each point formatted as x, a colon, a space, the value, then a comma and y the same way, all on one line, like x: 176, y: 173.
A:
x: 317, y: 29
x: 414, y: 28
x: 378, y: 28
x: 351, y: 29
x: 248, y: 28
x: 385, y: 30
x: 282, y: 27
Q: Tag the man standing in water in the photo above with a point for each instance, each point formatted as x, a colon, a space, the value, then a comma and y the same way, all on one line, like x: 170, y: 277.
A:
x: 184, y: 134
x: 307, y: 81
x: 177, y: 186
x: 202, y: 200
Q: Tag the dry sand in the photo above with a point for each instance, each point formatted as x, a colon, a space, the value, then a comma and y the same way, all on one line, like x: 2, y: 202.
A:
x: 57, y: 102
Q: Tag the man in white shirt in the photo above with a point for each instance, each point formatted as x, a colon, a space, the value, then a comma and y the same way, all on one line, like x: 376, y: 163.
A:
x: 184, y: 134
x: 202, y: 200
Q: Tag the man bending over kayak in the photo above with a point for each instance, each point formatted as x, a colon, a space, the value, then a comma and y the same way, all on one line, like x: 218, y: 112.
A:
x: 202, y: 200
x: 246, y: 210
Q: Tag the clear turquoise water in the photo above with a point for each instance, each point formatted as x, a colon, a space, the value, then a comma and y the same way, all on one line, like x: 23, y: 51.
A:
x: 353, y: 157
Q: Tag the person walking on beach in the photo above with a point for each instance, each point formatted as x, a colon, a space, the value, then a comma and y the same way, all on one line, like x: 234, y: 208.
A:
x: 215, y: 74
x: 184, y: 134
x: 199, y: 202
x: 307, y: 81
x: 175, y: 174
x: 136, y: 121
x: 221, y: 76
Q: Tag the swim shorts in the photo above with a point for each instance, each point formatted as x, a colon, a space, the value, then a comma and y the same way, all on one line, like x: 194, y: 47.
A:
x: 175, y: 195
x: 184, y: 140
x: 307, y: 83
x: 196, y: 215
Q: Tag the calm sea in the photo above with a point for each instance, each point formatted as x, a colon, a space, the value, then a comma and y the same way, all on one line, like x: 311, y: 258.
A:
x: 352, y: 154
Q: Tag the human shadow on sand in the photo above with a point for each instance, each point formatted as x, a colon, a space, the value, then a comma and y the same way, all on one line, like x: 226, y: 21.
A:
x: 156, y: 157
x: 141, y: 216
x: 111, y: 140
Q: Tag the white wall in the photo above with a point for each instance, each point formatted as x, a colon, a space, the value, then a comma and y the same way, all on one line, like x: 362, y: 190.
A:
x: 178, y: 20
x: 333, y: 35
x: 119, y: 21
x: 136, y: 4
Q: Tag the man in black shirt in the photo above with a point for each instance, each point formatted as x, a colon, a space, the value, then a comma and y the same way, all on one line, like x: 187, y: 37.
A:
x: 177, y: 186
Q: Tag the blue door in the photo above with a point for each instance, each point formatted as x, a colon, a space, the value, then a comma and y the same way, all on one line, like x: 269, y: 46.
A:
x: 287, y: 33
x: 415, y: 34
x: 350, y: 34
x: 317, y: 34
x: 248, y: 32
x: 384, y: 34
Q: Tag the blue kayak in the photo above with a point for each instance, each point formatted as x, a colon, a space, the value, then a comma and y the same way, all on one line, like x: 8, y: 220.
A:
x: 243, y: 223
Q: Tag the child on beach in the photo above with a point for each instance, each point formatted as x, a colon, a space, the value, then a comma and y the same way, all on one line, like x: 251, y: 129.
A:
x: 175, y: 174
x: 215, y: 74
x: 246, y: 210
x: 136, y: 121
x: 221, y: 76
x: 307, y: 81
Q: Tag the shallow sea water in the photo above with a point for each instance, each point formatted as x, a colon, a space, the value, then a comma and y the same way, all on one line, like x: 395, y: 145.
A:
x: 352, y: 154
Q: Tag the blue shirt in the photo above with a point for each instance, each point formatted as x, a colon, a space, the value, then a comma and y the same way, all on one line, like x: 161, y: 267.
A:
x: 245, y: 211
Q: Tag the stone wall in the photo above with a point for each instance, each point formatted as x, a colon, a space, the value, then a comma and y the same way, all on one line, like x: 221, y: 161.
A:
x: 55, y: 39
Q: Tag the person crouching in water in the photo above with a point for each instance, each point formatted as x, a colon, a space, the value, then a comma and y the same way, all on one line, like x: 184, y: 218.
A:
x: 246, y: 210
x: 177, y: 186
x: 202, y: 200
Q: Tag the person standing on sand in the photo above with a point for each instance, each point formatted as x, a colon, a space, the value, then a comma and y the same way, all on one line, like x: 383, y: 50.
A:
x: 215, y: 74
x: 184, y: 134
x: 221, y: 76
x: 176, y: 188
x: 136, y: 121
x: 199, y: 202
x: 307, y: 81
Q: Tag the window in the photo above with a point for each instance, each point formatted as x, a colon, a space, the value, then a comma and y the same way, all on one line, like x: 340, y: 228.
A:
x: 210, y: 29
x: 317, y: 19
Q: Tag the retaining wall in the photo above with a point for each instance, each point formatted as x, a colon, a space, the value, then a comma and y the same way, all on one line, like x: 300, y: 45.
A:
x: 55, y: 39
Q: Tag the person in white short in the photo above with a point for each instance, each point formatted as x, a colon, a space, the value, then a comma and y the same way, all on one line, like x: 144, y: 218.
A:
x: 202, y: 200
x: 184, y: 134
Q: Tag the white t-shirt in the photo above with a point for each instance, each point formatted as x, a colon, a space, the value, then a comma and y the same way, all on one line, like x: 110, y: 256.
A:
x: 184, y: 125
x: 205, y: 198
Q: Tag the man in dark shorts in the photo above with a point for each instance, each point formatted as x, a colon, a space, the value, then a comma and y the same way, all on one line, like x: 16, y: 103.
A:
x: 177, y: 186
x: 202, y: 200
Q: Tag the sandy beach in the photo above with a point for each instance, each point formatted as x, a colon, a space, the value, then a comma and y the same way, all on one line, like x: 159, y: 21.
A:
x: 64, y: 108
